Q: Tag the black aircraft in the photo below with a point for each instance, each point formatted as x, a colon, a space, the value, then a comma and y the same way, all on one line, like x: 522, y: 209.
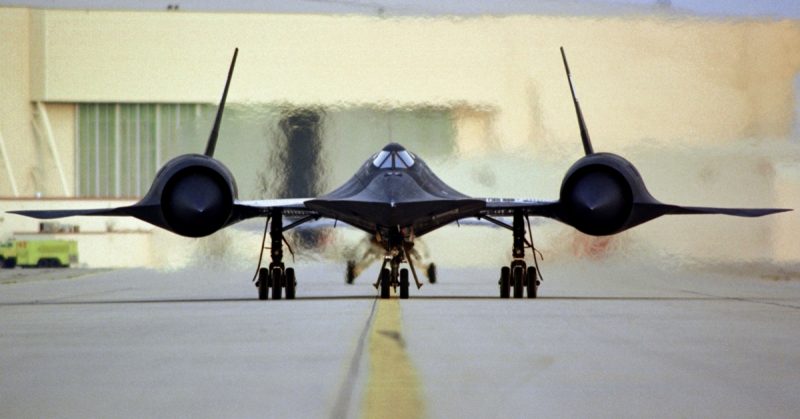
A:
x: 395, y: 197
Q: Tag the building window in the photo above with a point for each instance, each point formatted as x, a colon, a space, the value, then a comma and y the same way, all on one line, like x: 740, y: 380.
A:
x: 121, y: 146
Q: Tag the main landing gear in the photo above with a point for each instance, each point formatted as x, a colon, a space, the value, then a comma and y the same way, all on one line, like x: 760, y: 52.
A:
x: 276, y: 279
x: 519, y: 277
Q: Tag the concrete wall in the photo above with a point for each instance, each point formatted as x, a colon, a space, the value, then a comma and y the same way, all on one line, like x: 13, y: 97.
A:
x: 666, y: 79
x: 15, y: 99
x: 31, y: 158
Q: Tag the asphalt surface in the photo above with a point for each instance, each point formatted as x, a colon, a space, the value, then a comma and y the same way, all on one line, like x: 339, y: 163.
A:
x: 604, y: 340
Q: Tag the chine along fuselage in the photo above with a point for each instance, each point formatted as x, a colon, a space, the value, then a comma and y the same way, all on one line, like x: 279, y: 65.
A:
x: 396, y: 192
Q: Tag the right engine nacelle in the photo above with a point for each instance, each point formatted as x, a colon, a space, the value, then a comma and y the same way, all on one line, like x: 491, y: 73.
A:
x: 192, y: 195
x: 599, y: 193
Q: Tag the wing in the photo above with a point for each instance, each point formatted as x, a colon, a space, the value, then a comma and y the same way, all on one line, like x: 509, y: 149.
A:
x: 241, y: 210
x: 51, y: 214
x: 292, y: 207
x: 501, y: 207
x: 666, y: 209
x: 603, y: 221
x: 554, y: 209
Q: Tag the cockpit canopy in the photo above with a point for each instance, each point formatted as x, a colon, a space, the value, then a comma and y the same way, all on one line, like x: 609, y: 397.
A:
x: 393, y: 156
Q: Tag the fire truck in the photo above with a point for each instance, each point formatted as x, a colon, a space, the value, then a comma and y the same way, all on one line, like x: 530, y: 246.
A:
x: 39, y: 253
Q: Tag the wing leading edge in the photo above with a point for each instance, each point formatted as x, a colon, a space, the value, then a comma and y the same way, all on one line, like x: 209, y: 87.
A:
x: 241, y: 210
x: 637, y: 213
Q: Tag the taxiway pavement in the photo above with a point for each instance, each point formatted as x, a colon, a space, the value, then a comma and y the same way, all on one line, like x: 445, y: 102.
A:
x: 604, y: 340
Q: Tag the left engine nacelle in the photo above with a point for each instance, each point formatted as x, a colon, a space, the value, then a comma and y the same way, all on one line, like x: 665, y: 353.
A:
x: 600, y: 193
x: 192, y: 195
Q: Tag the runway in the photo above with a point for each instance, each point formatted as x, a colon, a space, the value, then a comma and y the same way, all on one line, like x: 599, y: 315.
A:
x: 604, y: 340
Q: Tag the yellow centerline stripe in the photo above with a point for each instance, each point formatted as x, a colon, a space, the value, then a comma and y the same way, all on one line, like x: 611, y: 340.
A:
x: 393, y: 385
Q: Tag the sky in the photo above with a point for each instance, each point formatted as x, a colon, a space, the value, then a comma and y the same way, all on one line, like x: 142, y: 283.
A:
x: 775, y: 9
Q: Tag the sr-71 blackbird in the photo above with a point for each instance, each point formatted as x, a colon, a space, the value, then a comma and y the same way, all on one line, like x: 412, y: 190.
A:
x: 395, y: 197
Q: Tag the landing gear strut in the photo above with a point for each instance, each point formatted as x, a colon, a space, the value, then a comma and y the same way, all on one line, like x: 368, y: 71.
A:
x: 519, y: 276
x: 394, y: 276
x: 277, y: 278
x: 371, y: 249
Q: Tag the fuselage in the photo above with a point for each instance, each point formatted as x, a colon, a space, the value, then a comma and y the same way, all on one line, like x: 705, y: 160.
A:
x: 396, y: 191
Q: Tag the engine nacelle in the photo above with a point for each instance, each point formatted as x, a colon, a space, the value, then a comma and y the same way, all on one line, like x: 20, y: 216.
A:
x: 192, y: 195
x: 599, y: 193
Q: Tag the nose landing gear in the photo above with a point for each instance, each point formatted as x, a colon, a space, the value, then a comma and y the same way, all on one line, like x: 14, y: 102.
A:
x: 394, y: 276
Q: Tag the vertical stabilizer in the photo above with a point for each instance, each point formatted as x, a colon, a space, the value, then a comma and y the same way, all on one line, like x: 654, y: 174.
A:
x: 587, y: 142
x: 212, y: 139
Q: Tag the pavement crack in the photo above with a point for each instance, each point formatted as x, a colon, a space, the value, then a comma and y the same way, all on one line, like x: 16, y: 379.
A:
x: 343, y: 400
x: 744, y: 300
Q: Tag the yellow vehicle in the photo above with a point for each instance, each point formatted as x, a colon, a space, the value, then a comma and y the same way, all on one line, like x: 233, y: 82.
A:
x: 39, y: 253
